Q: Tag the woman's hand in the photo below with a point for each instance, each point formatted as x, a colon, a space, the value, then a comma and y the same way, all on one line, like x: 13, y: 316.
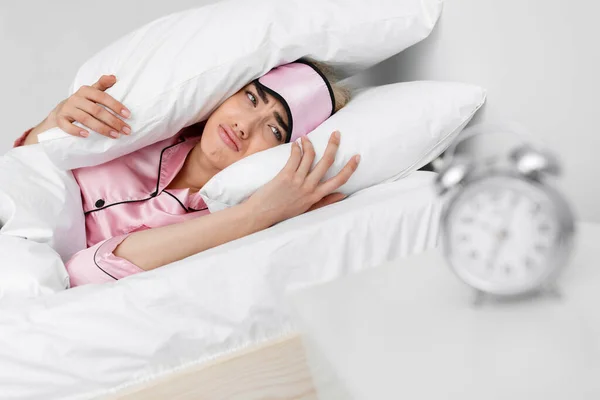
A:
x: 86, y: 107
x: 296, y: 189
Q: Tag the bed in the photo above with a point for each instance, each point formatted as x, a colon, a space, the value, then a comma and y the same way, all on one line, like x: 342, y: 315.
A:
x: 215, y: 325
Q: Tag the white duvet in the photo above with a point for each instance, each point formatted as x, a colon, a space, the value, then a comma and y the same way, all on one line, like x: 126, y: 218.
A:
x: 41, y: 224
x: 96, y: 339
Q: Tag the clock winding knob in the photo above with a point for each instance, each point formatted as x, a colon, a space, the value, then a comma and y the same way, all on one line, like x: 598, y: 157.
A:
x: 531, y: 163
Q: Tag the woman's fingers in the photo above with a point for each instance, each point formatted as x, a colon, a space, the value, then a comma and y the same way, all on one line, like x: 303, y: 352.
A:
x: 67, y: 126
x: 100, y: 97
x: 325, y: 162
x: 327, y: 200
x: 102, y: 115
x: 91, y: 107
x: 294, y: 160
x: 333, y: 183
x: 105, y: 82
x: 325, y: 191
x: 91, y: 122
x: 308, y: 156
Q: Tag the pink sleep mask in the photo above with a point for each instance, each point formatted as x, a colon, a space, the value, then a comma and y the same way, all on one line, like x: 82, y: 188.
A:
x: 304, y: 92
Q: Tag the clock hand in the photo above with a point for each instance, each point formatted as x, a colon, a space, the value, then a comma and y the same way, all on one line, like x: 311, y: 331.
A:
x: 494, y: 254
x: 511, y: 217
x: 504, y: 232
x: 502, y: 235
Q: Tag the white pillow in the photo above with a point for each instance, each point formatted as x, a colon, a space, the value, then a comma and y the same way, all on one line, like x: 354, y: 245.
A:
x: 29, y: 269
x: 40, y: 202
x: 175, y: 71
x: 396, y: 128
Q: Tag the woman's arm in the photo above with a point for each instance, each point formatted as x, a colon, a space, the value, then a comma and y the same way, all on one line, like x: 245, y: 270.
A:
x: 32, y: 137
x: 295, y: 190
x: 86, y: 106
x: 156, y: 247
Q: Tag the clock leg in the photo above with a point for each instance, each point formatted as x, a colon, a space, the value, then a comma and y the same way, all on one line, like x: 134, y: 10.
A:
x: 478, y: 298
x: 551, y: 289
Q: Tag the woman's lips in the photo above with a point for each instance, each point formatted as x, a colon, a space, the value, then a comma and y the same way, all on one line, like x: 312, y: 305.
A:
x: 226, y: 139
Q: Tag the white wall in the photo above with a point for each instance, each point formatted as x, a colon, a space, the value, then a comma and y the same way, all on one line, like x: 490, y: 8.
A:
x: 539, y: 60
x: 43, y: 43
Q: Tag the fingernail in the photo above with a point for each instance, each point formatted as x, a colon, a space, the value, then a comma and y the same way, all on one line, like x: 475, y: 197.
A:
x: 336, y: 134
x: 114, y: 134
x: 84, y: 134
x: 358, y: 158
x: 126, y: 130
x: 125, y: 112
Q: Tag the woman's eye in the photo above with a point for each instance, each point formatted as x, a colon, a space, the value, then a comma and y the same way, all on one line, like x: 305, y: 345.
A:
x: 250, y: 95
x: 277, y: 133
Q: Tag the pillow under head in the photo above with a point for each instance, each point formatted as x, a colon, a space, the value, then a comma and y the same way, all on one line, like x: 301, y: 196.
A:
x: 396, y: 128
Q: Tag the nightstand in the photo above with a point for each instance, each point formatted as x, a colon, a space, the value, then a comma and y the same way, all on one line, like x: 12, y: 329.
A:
x: 408, y: 329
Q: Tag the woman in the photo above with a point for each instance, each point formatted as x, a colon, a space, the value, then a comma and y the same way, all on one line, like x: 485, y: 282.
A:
x: 142, y: 209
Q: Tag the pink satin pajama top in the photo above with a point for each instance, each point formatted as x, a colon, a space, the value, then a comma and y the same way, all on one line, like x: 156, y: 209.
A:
x: 127, y: 195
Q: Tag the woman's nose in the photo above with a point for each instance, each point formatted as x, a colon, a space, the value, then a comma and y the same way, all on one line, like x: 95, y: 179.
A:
x: 242, y: 132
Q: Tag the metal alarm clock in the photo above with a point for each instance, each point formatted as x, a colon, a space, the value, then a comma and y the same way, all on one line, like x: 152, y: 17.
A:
x: 505, y: 230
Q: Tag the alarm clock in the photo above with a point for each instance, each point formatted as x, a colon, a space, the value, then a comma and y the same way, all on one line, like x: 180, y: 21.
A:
x: 506, y: 231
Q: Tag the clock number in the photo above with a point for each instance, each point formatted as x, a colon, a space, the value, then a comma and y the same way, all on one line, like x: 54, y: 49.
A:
x: 544, y: 227
x: 529, y: 263
x: 467, y: 220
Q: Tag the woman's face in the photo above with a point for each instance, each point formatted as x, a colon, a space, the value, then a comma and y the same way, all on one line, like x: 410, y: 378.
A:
x: 256, y: 120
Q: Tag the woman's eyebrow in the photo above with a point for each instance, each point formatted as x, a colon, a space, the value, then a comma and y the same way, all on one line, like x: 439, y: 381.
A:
x: 264, y: 98
x: 285, y: 127
x: 261, y: 93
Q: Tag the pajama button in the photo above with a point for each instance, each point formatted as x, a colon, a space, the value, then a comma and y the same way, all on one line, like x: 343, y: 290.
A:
x: 100, y: 203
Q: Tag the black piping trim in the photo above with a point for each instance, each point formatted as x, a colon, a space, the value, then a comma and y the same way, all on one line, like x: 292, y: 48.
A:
x: 318, y: 71
x: 202, y: 209
x: 285, y: 105
x: 186, y: 209
x: 181, y: 140
x: 99, y: 266
x: 175, y: 197
x: 116, y: 204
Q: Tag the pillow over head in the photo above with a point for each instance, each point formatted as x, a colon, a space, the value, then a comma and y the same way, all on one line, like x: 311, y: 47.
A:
x: 396, y: 128
x: 173, y: 72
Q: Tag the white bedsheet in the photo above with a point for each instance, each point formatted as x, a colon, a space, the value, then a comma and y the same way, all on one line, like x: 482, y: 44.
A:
x: 95, y: 339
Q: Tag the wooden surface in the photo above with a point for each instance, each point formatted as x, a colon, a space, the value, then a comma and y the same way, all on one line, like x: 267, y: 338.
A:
x: 277, y: 370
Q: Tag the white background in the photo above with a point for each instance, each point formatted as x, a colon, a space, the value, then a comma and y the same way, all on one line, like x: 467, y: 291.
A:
x: 539, y: 60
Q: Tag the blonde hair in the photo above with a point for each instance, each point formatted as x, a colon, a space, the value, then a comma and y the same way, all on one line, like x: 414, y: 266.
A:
x: 341, y: 93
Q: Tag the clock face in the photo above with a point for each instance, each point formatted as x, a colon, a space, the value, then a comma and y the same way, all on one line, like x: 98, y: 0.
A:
x: 501, y: 235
